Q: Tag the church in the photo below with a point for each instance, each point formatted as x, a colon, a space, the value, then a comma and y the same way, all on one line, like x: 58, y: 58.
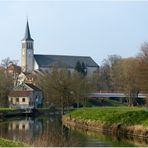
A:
x: 35, y: 62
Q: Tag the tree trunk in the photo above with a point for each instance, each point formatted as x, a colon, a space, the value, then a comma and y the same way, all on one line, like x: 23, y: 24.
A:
x: 62, y: 106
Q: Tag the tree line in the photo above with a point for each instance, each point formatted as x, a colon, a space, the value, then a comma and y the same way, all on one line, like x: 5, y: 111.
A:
x: 62, y: 88
x: 116, y: 74
x: 127, y: 75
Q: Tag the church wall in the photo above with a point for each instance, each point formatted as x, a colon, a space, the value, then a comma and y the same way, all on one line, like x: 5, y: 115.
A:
x: 27, y: 56
x: 30, y: 60
x: 91, y: 70
x: 23, y: 61
x: 36, y: 66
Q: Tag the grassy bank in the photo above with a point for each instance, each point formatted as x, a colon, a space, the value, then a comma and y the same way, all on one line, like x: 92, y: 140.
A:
x: 7, y: 109
x: 130, y: 120
x: 10, y: 143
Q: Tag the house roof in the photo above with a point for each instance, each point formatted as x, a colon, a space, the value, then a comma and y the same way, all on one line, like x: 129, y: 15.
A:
x: 27, y: 36
x: 33, y: 86
x: 63, y: 61
x: 20, y: 93
x: 13, y: 67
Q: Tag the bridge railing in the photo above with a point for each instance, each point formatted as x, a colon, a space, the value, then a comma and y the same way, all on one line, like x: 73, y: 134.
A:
x: 113, y: 95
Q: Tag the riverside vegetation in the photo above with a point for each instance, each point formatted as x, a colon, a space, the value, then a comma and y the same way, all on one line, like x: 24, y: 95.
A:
x: 63, y: 89
x: 10, y: 143
x: 126, y: 120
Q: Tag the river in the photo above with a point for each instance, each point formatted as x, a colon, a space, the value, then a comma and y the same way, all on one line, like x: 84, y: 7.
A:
x: 48, y: 131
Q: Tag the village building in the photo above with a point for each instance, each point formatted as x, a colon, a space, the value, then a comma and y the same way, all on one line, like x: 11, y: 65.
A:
x: 36, y: 62
x: 25, y: 96
x: 25, y: 77
x: 13, y: 69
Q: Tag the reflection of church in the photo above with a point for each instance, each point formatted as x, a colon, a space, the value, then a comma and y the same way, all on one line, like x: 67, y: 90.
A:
x: 35, y: 62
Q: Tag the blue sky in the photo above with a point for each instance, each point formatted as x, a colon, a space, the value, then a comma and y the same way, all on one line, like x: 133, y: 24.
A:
x: 90, y: 28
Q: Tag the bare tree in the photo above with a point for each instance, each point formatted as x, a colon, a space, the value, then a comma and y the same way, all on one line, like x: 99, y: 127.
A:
x: 6, y: 84
x: 5, y: 62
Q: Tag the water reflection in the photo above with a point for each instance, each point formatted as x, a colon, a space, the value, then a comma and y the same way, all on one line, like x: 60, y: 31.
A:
x: 114, y: 140
x: 39, y: 132
x: 21, y: 129
x: 49, y: 131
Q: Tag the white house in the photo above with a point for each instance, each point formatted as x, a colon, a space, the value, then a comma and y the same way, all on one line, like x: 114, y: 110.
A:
x: 25, y: 96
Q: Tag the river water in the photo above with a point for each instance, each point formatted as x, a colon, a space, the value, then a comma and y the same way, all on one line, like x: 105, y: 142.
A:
x: 49, y: 131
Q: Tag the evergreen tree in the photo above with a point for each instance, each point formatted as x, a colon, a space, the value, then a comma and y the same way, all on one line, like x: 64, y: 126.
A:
x: 78, y: 67
x: 81, y: 68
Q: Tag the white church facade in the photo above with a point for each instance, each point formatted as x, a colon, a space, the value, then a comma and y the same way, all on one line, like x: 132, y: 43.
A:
x: 34, y: 62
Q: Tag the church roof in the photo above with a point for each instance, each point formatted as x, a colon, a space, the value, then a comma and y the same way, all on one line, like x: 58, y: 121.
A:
x: 63, y: 61
x: 27, y: 36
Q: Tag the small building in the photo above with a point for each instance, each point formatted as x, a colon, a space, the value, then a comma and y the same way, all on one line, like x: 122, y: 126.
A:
x: 25, y: 96
x: 25, y: 77
x: 13, y: 69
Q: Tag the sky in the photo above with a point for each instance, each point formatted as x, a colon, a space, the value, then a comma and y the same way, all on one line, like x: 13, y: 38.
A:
x: 70, y: 27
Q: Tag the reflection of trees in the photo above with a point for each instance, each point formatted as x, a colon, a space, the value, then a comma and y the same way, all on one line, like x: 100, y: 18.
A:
x: 40, y: 132
x: 56, y: 134
x: 114, y: 139
x: 3, y: 130
x: 43, y: 132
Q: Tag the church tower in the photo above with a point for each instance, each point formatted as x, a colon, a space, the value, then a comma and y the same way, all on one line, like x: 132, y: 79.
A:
x: 27, y: 62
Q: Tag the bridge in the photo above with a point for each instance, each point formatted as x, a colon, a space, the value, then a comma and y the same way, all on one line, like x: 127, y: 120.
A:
x: 112, y: 95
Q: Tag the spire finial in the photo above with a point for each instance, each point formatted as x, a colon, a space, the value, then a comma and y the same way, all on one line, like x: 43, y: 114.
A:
x: 27, y: 18
x: 27, y: 32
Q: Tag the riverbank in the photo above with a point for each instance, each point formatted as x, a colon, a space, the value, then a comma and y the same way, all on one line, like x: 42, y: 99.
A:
x: 117, y: 120
x: 10, y: 143
x: 15, y: 112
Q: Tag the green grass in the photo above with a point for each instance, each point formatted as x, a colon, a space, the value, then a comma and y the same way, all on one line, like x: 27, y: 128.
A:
x: 113, y: 115
x: 7, y: 109
x: 10, y: 143
x: 45, y: 109
x: 105, y: 102
x: 114, y: 102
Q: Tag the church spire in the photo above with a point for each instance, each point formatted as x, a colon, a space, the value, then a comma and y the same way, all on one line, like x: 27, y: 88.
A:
x: 27, y: 51
x: 27, y: 33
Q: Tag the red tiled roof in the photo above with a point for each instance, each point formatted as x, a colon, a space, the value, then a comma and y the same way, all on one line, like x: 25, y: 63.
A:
x: 20, y: 93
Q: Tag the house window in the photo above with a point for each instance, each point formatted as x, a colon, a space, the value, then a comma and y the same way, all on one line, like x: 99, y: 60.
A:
x: 17, y: 99
x: 23, y: 100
